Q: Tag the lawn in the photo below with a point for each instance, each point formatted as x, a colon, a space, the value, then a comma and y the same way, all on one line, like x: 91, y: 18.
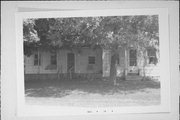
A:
x: 92, y: 93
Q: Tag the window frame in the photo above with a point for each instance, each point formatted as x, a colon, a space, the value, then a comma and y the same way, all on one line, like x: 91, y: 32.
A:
x: 91, y: 58
x: 153, y: 57
x: 37, y: 60
x: 53, y: 58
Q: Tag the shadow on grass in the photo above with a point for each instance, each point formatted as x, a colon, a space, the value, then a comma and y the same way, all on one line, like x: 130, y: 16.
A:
x: 58, y: 89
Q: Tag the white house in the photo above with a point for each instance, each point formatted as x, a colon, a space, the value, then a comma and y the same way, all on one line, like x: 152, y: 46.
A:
x: 87, y: 62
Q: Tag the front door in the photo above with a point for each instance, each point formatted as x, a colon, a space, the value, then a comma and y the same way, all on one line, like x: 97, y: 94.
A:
x: 70, y: 63
x: 132, y: 68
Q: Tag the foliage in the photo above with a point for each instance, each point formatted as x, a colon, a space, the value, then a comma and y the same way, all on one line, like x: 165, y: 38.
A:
x: 30, y: 36
x: 108, y: 32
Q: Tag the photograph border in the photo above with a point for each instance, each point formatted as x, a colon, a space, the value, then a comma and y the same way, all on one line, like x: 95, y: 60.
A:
x: 26, y: 110
x: 9, y: 58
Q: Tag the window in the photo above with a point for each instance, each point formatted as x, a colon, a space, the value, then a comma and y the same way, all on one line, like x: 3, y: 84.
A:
x: 118, y: 59
x: 91, y: 60
x: 152, y: 56
x: 53, y: 58
x: 133, y: 57
x: 37, y: 60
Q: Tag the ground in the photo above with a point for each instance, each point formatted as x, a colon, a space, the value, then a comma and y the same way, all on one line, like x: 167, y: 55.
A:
x: 92, y: 93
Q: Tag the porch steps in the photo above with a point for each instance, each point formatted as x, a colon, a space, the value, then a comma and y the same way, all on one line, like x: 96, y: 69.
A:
x: 133, y: 77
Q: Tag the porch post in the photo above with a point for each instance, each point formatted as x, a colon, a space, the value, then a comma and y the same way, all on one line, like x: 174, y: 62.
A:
x: 106, y: 61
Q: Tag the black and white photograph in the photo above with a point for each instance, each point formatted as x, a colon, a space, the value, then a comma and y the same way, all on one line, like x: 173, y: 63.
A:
x: 101, y: 61
x: 94, y: 60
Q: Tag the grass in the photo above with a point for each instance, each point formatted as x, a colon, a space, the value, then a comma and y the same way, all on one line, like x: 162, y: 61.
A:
x: 92, y: 93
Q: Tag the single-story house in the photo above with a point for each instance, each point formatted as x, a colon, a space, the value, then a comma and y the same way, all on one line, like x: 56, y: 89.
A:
x: 88, y: 62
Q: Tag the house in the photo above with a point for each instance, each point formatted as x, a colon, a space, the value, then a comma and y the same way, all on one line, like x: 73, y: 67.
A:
x: 133, y: 63
x: 64, y: 62
x: 90, y: 63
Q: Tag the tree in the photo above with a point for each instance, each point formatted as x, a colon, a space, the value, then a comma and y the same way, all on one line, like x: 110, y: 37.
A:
x: 107, y: 32
x: 124, y: 31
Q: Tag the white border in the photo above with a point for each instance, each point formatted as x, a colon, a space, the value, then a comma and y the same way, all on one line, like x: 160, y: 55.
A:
x: 34, y: 110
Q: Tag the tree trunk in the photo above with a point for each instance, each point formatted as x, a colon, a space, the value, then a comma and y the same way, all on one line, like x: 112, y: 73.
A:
x: 38, y: 62
x: 113, y: 68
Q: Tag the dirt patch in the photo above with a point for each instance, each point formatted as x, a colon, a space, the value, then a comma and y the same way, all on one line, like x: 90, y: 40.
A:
x: 93, y: 93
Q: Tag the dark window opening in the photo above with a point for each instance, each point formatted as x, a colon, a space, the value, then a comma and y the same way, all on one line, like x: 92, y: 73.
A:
x: 118, y: 60
x: 152, y: 56
x: 133, y: 58
x: 37, y: 60
x: 91, y: 60
x: 53, y: 58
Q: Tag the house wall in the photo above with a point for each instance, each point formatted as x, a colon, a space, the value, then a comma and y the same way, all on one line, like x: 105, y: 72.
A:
x: 123, y: 67
x: 102, y: 63
x: 81, y: 62
x: 150, y: 70
x: 82, y: 65
x: 30, y: 68
x: 106, y: 60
